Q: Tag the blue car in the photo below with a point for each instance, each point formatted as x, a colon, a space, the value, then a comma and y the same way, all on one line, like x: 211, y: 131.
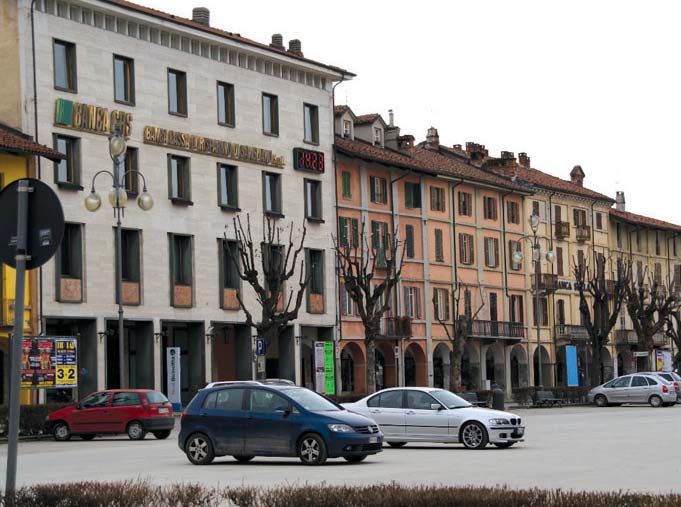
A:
x: 251, y: 419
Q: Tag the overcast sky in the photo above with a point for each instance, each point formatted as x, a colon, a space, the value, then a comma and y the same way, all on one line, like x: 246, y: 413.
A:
x: 594, y: 83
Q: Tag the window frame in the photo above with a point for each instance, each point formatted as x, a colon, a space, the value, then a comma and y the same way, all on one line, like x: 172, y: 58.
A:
x: 466, y: 248
x: 72, y: 160
x: 186, y: 170
x: 229, y: 102
x: 314, y: 124
x: 137, y: 263
x: 313, y: 197
x: 465, y: 203
x: 513, y: 212
x: 182, y: 280
x: 309, y: 252
x: 412, y: 195
x: 227, y: 266
x: 490, y: 212
x: 346, y: 185
x: 181, y: 93
x: 277, y: 196
x: 71, y: 66
x: 128, y: 81
x: 437, y: 199
x: 232, y: 175
x: 491, y: 252
x: 130, y: 167
x: 273, y: 112
x: 438, y: 238
x: 409, y: 250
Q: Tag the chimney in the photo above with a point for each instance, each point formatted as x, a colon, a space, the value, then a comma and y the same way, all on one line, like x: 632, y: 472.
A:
x: 507, y: 155
x: 295, y: 47
x: 457, y: 147
x: 619, y: 201
x: 392, y: 118
x: 201, y: 15
x: 476, y: 151
x: 523, y: 159
x: 432, y: 138
x: 577, y: 175
x: 278, y: 42
x: 405, y: 142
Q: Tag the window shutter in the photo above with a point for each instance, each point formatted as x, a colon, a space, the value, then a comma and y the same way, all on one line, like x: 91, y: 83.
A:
x: 409, y: 241
x: 372, y: 189
x: 557, y: 213
x: 436, y: 304
x: 471, y: 251
x: 433, y: 199
x: 343, y: 231
x: 445, y: 293
x: 346, y: 185
x: 575, y: 216
x: 521, y: 317
x: 375, y: 235
x: 496, y: 252
x: 439, y: 250
x: 355, y: 232
x: 417, y: 297
x: 488, y: 261
x: 408, y: 195
x: 462, y: 249
x: 384, y: 191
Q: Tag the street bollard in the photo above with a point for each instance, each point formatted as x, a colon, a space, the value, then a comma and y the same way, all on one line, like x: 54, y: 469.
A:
x: 498, y: 399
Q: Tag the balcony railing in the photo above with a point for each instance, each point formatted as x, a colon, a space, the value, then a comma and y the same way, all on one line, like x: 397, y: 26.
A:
x: 547, y: 282
x: 396, y: 327
x: 571, y: 332
x: 583, y: 232
x: 562, y: 230
x: 625, y: 337
x: 496, y: 329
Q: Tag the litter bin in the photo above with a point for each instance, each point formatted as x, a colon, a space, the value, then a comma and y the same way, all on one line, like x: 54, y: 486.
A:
x: 498, y: 399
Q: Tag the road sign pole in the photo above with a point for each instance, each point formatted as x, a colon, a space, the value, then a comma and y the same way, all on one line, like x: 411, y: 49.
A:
x: 17, y: 338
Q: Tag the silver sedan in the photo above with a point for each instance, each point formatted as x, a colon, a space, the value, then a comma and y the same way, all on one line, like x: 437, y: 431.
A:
x: 422, y: 414
x: 634, y: 389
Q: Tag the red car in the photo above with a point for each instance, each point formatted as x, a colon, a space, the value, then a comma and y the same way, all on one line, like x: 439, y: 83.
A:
x: 131, y: 411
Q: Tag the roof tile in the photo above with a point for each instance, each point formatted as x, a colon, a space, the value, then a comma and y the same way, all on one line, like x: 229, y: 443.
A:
x: 13, y: 141
x: 633, y: 218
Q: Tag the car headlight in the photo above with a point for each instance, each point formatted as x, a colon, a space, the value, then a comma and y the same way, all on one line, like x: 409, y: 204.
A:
x: 499, y: 421
x: 341, y: 428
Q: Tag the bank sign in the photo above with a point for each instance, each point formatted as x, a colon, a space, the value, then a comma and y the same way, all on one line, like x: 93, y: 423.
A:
x: 49, y: 361
x: 90, y: 118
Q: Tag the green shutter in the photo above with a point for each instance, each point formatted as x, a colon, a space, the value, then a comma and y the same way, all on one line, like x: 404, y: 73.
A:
x: 384, y: 191
x: 408, y: 195
x: 372, y: 185
x: 355, y: 232
x: 347, y: 193
x: 343, y: 233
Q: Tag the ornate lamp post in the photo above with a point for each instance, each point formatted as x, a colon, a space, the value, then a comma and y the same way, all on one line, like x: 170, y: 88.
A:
x: 536, y: 259
x: 118, y: 198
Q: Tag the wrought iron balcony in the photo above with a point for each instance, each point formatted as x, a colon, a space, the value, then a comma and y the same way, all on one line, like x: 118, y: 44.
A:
x: 496, y: 329
x: 562, y: 230
x: 571, y: 332
x: 626, y: 337
x: 547, y: 282
x: 396, y: 327
x: 583, y: 232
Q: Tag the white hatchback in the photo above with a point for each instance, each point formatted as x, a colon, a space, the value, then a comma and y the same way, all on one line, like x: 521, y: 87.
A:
x: 422, y: 414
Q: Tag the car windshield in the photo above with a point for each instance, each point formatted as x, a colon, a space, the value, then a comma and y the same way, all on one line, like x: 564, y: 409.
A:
x: 156, y: 397
x: 449, y: 400
x: 310, y: 400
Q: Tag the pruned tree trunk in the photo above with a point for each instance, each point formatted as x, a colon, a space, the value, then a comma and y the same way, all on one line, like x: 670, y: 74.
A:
x: 370, y: 346
x: 455, y: 367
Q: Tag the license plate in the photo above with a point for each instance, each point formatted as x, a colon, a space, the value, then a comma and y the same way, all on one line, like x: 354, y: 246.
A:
x: 162, y: 410
x: 373, y: 440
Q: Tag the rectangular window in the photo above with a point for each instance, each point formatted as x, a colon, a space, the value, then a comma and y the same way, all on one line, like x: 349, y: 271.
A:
x: 559, y: 261
x: 535, y: 208
x: 71, y: 252
x: 379, y: 235
x: 677, y: 277
x: 347, y: 128
x: 516, y: 307
x: 346, y: 303
x: 639, y: 272
x: 441, y: 304
x: 557, y: 213
x: 124, y: 80
x: 315, y: 265
x: 544, y: 308
x: 177, y: 92
x: 412, y: 302
x: 599, y: 221
x: 466, y: 248
x: 313, y: 199
x: 130, y: 248
x: 465, y: 204
x: 181, y: 251
x: 130, y: 176
x: 581, y: 261
x: 412, y: 195
x: 311, y: 120
x: 513, y: 212
x: 179, y: 181
x: 439, y: 246
x: 230, y: 264
x: 228, y: 189
x: 514, y: 246
x: 378, y: 137
x: 379, y: 190
x: 658, y: 273
x: 346, y: 185
x: 639, y: 243
x: 64, y: 59
x: 348, y: 230
x: 579, y: 217
x: 226, y: 113
x: 67, y: 170
x: 409, y: 241
x: 467, y: 304
x: 618, y: 233
x: 657, y: 242
x: 270, y: 114
x: 437, y: 199
x: 490, y: 208
x: 673, y: 239
x: 491, y: 252
x: 272, y: 193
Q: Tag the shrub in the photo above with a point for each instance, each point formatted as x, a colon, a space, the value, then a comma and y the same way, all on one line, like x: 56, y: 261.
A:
x: 31, y: 418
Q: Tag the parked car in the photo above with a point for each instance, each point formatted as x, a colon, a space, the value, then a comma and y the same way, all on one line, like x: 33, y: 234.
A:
x: 421, y: 414
x: 132, y: 411
x: 635, y: 388
x: 267, y: 381
x: 245, y: 420
x: 671, y: 377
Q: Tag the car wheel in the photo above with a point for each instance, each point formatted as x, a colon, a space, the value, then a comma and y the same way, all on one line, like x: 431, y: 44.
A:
x: 136, y: 431
x: 312, y: 449
x: 474, y: 435
x: 397, y: 444
x: 243, y: 459
x: 355, y: 459
x: 199, y: 449
x: 601, y: 401
x: 655, y: 401
x: 504, y: 445
x: 161, y: 435
x: 89, y: 436
x: 61, y: 432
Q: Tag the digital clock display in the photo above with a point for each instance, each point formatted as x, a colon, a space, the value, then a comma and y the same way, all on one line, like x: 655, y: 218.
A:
x: 308, y: 160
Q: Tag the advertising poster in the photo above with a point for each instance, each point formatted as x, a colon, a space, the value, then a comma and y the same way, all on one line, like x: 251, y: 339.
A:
x: 173, y: 377
x: 329, y: 372
x: 571, y: 363
x: 319, y: 373
x: 659, y: 365
x: 48, y: 361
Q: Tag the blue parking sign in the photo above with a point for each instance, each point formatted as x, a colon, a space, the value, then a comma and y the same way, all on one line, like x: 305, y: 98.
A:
x: 260, y: 347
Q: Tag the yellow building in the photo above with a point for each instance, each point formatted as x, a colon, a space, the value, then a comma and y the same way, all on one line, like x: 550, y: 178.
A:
x: 17, y: 160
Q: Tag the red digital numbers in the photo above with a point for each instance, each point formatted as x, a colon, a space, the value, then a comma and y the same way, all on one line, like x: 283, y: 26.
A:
x: 308, y: 160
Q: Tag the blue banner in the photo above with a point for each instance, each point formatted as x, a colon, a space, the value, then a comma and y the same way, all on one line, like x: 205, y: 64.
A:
x: 571, y: 363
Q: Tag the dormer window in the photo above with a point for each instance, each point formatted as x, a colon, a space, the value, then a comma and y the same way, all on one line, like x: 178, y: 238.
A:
x: 378, y: 136
x: 347, y: 129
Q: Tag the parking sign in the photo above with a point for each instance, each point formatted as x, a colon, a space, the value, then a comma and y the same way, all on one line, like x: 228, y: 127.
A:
x: 260, y: 347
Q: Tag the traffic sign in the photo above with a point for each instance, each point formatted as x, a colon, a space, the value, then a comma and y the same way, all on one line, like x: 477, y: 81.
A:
x: 260, y: 347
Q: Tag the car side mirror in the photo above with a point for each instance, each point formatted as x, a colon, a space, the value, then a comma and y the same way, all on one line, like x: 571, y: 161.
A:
x: 283, y: 410
x: 78, y: 407
x: 436, y: 406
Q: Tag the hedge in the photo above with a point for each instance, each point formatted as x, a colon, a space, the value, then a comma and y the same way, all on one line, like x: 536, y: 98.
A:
x: 143, y: 494
x: 31, y: 418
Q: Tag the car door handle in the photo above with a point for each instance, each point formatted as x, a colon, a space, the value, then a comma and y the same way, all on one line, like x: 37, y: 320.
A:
x: 375, y: 411
x: 203, y: 414
x: 410, y: 412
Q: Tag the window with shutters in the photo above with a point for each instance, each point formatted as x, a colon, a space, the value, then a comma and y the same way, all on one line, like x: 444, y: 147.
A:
x: 658, y: 272
x: 580, y: 259
x: 441, y: 304
x: 639, y: 272
x: 412, y: 302
x: 535, y: 208
x: 544, y: 309
x: 618, y: 234
x: 466, y: 250
x: 677, y: 277
x: 439, y: 246
x: 379, y: 190
x: 514, y: 246
x: 379, y: 242
x: 348, y: 230
x: 513, y: 212
x: 347, y: 129
x: 465, y: 204
x: 674, y: 247
x: 657, y: 242
x: 409, y: 241
x: 599, y: 221
x: 346, y: 185
x: 559, y: 261
x: 491, y: 252
x: 437, y: 199
x: 516, y: 307
x: 467, y: 304
x: 557, y: 213
x: 412, y: 195
x: 579, y: 217
x: 347, y: 305
x: 490, y: 208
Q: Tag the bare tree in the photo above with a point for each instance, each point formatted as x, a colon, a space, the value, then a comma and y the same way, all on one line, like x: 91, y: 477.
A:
x: 600, y: 302
x: 673, y: 331
x: 267, y: 267
x: 650, y: 306
x: 456, y: 332
x: 370, y: 271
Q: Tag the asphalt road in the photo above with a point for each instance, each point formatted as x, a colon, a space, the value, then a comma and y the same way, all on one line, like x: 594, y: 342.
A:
x: 623, y: 448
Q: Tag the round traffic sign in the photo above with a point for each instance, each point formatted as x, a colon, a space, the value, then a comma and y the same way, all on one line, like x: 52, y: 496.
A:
x: 45, y: 224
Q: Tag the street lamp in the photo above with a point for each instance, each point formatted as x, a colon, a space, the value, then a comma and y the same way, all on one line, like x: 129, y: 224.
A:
x: 118, y: 198
x: 550, y: 256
